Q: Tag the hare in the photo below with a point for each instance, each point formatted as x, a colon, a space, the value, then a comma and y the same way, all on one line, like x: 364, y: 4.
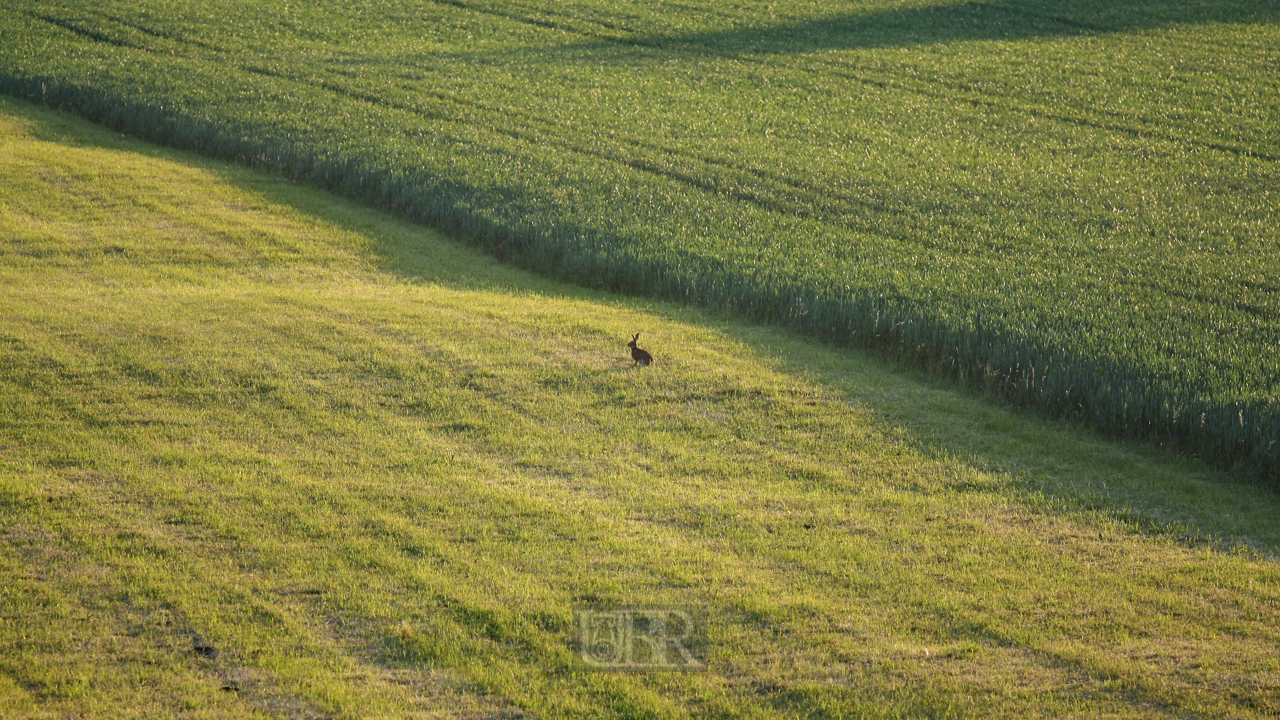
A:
x: 637, y: 355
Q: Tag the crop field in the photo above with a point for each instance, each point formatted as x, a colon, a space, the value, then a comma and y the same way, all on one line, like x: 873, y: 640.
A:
x: 1071, y: 202
x: 267, y: 453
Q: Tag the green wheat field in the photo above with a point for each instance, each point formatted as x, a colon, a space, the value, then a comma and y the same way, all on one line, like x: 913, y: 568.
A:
x: 966, y: 320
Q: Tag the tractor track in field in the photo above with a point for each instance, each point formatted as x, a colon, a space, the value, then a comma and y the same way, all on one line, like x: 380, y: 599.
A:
x: 832, y: 215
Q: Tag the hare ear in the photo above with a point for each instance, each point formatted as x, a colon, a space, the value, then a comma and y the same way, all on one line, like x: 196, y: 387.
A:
x: 636, y: 336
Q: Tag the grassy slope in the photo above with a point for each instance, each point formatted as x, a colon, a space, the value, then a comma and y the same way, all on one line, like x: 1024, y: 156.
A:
x: 1076, y: 194
x: 375, y: 470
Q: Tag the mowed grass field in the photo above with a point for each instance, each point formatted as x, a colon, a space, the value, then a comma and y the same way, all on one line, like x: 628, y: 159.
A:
x: 1070, y: 202
x: 265, y: 453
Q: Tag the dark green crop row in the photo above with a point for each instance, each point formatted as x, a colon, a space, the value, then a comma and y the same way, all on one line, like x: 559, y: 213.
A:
x: 1074, y: 203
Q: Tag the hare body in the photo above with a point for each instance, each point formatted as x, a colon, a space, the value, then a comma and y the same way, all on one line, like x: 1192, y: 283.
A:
x: 639, y: 356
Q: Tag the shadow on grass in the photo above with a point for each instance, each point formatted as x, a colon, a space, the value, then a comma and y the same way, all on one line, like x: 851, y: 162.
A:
x: 1057, y: 467
x: 1007, y: 20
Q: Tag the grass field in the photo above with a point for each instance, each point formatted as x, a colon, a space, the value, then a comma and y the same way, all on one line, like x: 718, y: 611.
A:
x: 1071, y: 202
x: 266, y: 453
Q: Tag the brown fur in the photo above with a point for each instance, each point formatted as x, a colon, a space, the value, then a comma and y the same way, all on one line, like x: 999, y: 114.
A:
x: 639, y: 356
